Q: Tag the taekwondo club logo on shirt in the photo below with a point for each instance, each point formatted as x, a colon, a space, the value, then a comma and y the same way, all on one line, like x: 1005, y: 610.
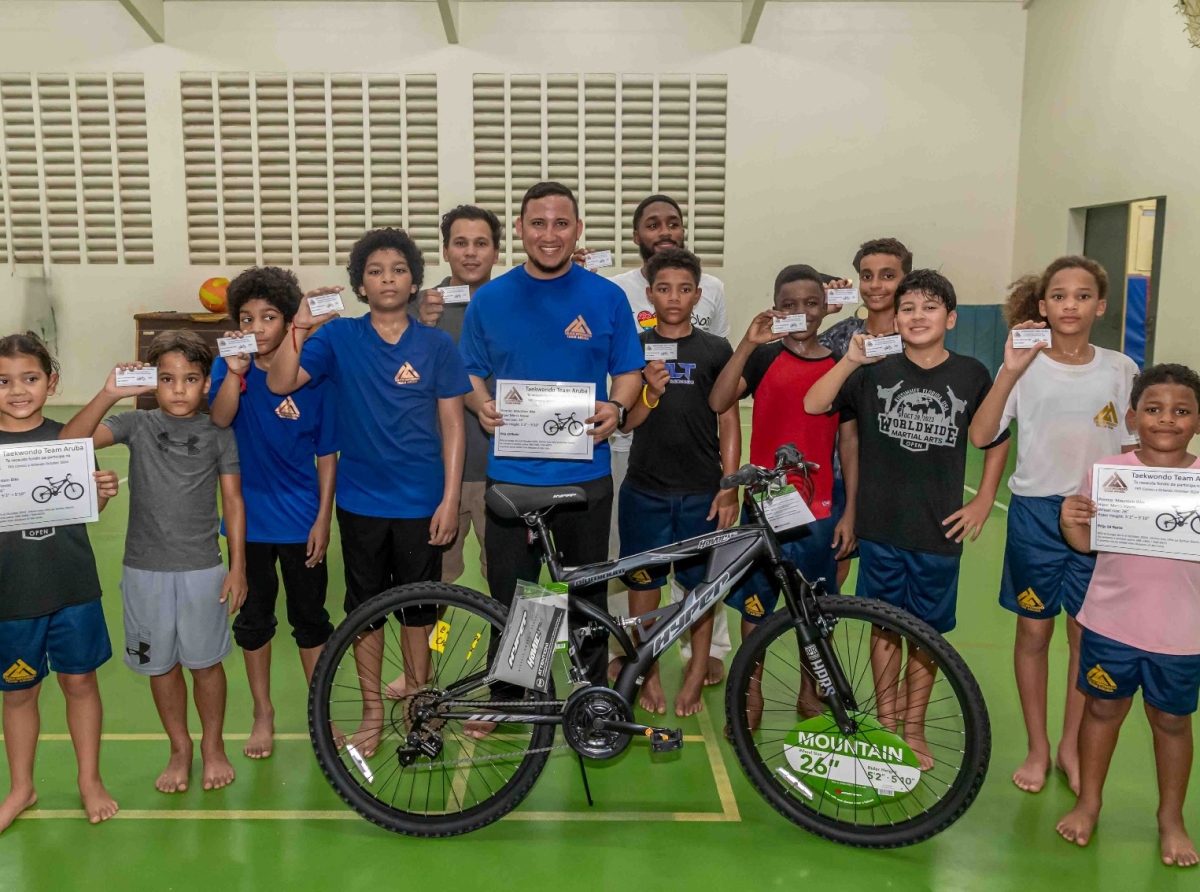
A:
x: 579, y: 330
x: 407, y: 374
x: 919, y: 418
x: 288, y: 410
x: 1106, y: 417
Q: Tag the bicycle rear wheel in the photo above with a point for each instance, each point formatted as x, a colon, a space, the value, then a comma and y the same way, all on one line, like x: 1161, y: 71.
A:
x: 468, y: 783
x: 907, y: 773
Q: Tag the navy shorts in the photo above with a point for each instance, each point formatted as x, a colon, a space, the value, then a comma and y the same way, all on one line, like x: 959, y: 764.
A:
x: 1042, y: 574
x: 920, y: 583
x: 73, y: 641
x: 756, y: 596
x: 647, y: 520
x: 1110, y: 670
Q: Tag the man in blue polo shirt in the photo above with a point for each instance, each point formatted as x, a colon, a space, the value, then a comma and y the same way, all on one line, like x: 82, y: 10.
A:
x: 550, y: 320
x: 399, y: 388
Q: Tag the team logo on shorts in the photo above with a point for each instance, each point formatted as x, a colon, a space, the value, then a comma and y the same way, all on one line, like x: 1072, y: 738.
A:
x: 1106, y: 417
x: 1115, y: 484
x: 579, y: 330
x: 1031, y: 602
x: 288, y: 409
x: 754, y: 606
x: 1101, y: 680
x: 407, y: 374
x: 641, y: 577
x: 20, y: 672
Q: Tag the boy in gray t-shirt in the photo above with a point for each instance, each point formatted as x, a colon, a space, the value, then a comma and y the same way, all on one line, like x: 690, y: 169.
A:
x: 176, y: 593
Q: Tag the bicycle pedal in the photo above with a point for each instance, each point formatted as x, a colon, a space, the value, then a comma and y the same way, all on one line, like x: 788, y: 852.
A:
x: 665, y: 740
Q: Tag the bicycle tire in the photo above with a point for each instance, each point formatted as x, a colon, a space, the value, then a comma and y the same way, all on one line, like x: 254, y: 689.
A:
x: 1166, y: 522
x: 42, y: 494
x: 551, y: 428
x: 430, y: 826
x: 1196, y: 524
x: 575, y: 429
x: 75, y: 488
x: 976, y: 753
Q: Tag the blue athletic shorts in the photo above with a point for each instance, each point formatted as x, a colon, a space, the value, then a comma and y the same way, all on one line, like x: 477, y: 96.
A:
x: 1110, y: 670
x: 73, y: 640
x: 756, y: 595
x: 647, y: 520
x: 923, y: 584
x: 1042, y: 574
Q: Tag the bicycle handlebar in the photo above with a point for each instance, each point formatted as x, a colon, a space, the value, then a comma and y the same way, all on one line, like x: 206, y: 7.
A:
x: 787, y: 459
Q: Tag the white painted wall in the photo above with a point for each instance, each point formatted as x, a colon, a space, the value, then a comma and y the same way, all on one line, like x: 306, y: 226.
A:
x: 1111, y: 115
x: 847, y: 121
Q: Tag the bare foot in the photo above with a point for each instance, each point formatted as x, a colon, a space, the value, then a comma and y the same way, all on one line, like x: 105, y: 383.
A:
x: 96, y: 802
x: 218, y: 771
x: 175, y: 778
x: 1077, y: 825
x: 1178, y: 849
x: 1030, y: 776
x: 652, y: 698
x: 478, y: 730
x: 14, y: 803
x: 395, y: 690
x: 1068, y: 763
x: 688, y: 701
x: 262, y: 738
x: 916, y: 742
x: 370, y: 731
x: 615, y: 665
x: 715, y: 673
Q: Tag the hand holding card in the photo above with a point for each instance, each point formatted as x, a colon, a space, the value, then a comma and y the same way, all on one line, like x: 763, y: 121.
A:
x: 324, y: 304
x: 837, y: 297
x: 797, y: 322
x: 456, y: 294
x: 883, y: 346
x: 665, y: 352
x: 598, y: 260
x: 237, y: 346
x: 1025, y: 338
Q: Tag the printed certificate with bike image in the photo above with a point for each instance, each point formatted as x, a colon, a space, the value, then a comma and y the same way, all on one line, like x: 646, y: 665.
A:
x: 545, y: 419
x: 47, y: 484
x: 1147, y: 511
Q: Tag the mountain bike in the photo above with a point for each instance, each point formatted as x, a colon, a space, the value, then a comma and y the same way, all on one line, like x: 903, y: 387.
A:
x: 66, y: 486
x: 1172, y: 519
x: 558, y: 423
x: 811, y: 697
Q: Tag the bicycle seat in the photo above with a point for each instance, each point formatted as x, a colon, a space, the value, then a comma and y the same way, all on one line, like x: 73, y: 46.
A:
x: 511, y: 501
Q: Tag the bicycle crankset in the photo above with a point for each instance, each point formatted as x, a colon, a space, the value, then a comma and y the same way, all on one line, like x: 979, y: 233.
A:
x: 584, y: 715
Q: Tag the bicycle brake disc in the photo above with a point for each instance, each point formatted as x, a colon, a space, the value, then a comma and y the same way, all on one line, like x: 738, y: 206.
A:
x: 586, y: 707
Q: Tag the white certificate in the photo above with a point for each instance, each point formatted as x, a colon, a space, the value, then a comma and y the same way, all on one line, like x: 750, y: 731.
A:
x: 1025, y: 338
x: 884, y: 345
x: 47, y: 485
x: 1149, y: 511
x: 323, y: 304
x: 456, y: 294
x: 143, y: 377
x: 236, y: 346
x: 598, y: 260
x: 837, y: 297
x: 545, y: 419
x: 666, y: 352
x: 795, y: 322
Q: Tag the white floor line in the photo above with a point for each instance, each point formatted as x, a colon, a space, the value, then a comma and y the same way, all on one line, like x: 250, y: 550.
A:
x: 975, y: 492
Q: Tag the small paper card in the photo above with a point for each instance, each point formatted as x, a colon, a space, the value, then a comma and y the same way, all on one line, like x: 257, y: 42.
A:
x: 1024, y: 338
x: 147, y: 377
x: 456, y: 294
x: 884, y: 346
x: 323, y: 304
x: 598, y: 259
x: 235, y: 346
x: 785, y: 509
x: 798, y: 322
x: 666, y: 352
x: 841, y: 296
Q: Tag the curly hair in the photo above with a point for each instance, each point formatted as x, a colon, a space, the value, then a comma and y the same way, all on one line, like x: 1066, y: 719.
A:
x: 931, y: 282
x: 890, y: 246
x: 1027, y: 292
x: 674, y: 258
x: 277, y: 286
x: 1164, y: 373
x: 382, y: 240
x: 29, y: 344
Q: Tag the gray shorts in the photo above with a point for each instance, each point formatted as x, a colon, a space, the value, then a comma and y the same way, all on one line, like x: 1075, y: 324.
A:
x: 174, y: 618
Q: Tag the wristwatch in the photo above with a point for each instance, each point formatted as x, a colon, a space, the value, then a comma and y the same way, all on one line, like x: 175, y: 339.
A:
x: 621, y: 413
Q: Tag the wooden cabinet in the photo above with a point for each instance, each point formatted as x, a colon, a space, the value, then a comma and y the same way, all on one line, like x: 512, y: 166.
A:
x: 209, y: 326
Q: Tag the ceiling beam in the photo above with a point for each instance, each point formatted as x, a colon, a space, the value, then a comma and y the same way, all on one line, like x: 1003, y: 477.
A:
x: 449, y: 11
x: 751, y: 13
x: 149, y: 14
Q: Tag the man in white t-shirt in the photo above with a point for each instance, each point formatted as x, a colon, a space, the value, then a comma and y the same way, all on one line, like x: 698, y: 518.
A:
x: 657, y: 226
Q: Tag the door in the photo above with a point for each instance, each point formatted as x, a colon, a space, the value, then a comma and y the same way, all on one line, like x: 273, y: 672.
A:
x: 1106, y: 240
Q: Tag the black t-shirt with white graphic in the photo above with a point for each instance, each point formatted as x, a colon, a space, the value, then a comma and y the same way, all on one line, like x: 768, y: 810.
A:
x: 912, y: 433
x: 46, y: 569
x: 677, y: 448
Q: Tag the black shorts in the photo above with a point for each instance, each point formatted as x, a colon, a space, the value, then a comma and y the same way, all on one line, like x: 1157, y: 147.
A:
x: 304, y: 594
x: 381, y: 553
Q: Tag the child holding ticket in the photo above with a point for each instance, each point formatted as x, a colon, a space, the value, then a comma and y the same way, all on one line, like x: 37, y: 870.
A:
x: 1068, y: 398
x: 1141, y: 625
x: 289, y: 469
x: 671, y: 491
x: 398, y: 388
x: 913, y: 410
x: 176, y: 592
x: 50, y: 612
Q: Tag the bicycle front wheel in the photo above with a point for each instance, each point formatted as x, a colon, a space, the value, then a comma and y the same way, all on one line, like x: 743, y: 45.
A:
x: 923, y: 740
x: 74, y: 491
x: 575, y: 429
x: 384, y: 671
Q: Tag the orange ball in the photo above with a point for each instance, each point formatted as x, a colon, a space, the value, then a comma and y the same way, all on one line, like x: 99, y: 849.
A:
x: 212, y: 294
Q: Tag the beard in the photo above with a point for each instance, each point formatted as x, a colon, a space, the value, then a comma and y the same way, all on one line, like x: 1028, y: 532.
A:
x: 649, y: 251
x: 549, y: 270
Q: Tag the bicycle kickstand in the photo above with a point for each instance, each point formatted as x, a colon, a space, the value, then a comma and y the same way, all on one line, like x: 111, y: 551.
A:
x: 586, y: 787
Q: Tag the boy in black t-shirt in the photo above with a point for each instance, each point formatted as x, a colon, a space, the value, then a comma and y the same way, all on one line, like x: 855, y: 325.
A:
x: 913, y: 410
x: 672, y: 490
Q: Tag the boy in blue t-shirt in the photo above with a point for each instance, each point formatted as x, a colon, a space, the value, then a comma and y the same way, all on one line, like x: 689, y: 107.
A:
x: 398, y: 387
x: 288, y: 495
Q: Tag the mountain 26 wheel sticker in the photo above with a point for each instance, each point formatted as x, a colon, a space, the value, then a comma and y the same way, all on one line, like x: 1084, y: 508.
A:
x: 872, y: 768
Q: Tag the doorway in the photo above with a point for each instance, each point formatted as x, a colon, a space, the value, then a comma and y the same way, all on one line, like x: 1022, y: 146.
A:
x: 1126, y: 239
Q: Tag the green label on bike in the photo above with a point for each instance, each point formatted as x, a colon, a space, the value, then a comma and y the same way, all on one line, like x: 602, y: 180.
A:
x: 872, y: 768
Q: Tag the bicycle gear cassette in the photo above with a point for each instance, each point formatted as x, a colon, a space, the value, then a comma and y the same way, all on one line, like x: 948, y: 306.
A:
x: 586, y: 707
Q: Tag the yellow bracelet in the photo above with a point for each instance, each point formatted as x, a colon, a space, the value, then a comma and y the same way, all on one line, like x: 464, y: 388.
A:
x: 645, y: 401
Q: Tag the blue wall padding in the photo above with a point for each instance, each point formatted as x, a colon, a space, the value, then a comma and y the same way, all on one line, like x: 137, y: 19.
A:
x: 980, y: 332
x: 1137, y: 292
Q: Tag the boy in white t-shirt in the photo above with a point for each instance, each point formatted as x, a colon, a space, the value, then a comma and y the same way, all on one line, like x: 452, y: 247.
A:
x: 1141, y: 625
x: 1069, y: 401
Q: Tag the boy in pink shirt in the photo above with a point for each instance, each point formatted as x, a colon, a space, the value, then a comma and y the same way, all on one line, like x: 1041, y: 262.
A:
x: 1141, y: 626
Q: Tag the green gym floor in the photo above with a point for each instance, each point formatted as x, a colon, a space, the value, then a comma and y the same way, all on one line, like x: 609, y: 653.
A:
x: 684, y: 821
